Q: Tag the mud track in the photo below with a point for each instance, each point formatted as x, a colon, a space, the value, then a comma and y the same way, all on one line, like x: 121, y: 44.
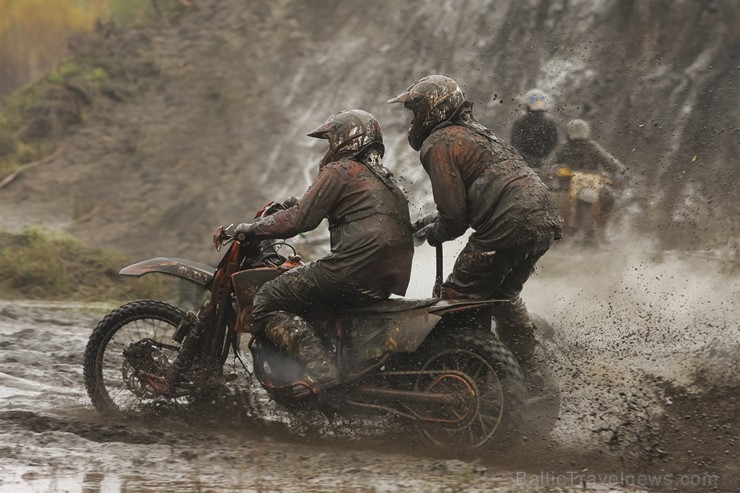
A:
x: 650, y: 402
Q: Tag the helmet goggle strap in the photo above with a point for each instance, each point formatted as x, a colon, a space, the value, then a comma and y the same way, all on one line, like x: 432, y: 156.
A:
x: 334, y: 151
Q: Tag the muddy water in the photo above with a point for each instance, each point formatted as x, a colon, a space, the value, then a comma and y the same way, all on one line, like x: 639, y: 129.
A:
x: 648, y: 364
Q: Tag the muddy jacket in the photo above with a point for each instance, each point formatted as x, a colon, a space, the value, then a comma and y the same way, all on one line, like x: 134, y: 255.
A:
x: 587, y: 155
x: 534, y: 135
x: 480, y: 182
x: 371, y: 242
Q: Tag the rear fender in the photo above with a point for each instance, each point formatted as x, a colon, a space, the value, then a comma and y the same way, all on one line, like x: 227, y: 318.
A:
x: 194, y: 272
x: 466, y: 314
x: 445, y: 307
x: 404, y: 332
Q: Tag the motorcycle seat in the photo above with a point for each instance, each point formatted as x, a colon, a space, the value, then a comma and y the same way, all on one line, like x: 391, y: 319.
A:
x: 392, y: 305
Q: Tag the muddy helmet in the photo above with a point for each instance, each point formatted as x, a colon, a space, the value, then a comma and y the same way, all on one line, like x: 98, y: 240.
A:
x: 536, y: 100
x: 351, y: 133
x: 578, y: 129
x: 433, y: 100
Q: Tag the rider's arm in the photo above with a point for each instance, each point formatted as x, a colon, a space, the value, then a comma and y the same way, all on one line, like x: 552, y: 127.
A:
x: 448, y: 189
x: 611, y: 164
x: 308, y: 213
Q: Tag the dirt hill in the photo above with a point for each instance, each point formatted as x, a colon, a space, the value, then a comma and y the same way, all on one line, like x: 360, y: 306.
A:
x: 198, y: 120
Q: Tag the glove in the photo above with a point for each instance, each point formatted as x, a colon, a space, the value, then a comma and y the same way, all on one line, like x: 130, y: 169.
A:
x: 426, y: 234
x: 290, y: 201
x: 420, y: 236
x: 242, y: 231
x: 432, y: 240
x: 424, y: 221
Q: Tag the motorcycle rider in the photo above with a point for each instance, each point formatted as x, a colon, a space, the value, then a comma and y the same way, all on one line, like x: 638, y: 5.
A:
x: 534, y: 134
x: 481, y: 182
x: 370, y: 235
x: 581, y: 153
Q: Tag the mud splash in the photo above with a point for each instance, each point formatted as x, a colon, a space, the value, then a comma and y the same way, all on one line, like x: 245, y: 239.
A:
x: 648, y: 365
x: 649, y: 359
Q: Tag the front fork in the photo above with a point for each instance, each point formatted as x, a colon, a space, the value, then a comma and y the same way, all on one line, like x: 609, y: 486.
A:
x: 163, y: 378
x: 195, y: 345
x: 190, y: 334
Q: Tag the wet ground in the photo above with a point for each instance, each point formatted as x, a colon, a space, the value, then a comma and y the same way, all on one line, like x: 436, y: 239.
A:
x: 649, y: 368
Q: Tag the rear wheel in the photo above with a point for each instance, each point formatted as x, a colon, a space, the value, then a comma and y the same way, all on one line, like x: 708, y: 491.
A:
x: 133, y: 339
x: 490, y: 391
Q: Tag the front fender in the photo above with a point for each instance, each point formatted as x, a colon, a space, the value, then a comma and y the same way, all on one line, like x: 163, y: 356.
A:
x: 195, y: 272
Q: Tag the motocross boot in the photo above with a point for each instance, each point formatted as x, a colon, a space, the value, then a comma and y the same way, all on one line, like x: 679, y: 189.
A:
x: 294, y: 336
x: 515, y: 329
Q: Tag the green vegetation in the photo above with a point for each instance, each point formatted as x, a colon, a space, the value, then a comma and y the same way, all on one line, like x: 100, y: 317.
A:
x: 39, y: 264
x: 35, y: 117
x: 127, y: 12
x: 33, y: 34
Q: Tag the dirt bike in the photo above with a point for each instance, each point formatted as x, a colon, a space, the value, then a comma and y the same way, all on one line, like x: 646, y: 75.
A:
x: 583, y: 198
x: 431, y: 362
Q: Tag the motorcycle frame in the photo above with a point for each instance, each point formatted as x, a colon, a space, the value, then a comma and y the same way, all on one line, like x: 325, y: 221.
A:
x: 220, y: 319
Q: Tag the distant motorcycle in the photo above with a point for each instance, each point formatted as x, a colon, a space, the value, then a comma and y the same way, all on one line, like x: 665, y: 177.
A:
x: 584, y: 200
x: 432, y: 362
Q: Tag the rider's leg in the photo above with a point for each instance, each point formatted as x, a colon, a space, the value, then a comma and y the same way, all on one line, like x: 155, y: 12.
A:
x: 513, y: 323
x: 498, y: 274
x: 278, y: 307
x: 293, y: 335
x: 477, y: 273
x: 501, y: 275
x: 277, y: 310
x: 515, y: 329
x: 607, y: 200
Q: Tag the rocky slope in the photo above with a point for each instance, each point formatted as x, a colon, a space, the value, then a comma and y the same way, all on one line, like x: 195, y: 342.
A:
x: 203, y: 118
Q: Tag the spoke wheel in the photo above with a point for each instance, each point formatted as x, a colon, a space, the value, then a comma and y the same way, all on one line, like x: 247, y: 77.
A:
x: 115, y: 381
x: 476, y: 415
x: 489, y: 388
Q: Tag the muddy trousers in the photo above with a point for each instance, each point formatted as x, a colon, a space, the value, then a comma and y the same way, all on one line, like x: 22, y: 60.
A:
x: 500, y: 274
x: 279, y: 307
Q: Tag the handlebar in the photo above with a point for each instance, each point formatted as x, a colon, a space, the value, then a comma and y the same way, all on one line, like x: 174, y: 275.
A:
x: 221, y: 237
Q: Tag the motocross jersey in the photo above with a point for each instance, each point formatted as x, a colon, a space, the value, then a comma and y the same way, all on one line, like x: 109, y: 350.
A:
x: 480, y: 182
x: 369, y: 226
x: 534, y: 135
x: 587, y: 155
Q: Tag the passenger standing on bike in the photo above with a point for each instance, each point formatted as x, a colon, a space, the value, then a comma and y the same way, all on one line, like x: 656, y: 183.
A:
x: 535, y: 134
x: 479, y: 181
x: 370, y: 235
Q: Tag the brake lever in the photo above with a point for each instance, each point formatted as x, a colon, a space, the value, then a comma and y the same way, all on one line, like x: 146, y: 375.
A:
x: 221, y: 236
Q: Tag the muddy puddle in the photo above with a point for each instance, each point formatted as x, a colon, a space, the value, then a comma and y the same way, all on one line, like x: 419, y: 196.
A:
x: 648, y: 362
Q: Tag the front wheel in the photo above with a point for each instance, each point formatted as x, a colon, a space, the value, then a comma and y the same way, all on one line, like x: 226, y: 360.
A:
x: 131, y: 341
x: 477, y: 367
